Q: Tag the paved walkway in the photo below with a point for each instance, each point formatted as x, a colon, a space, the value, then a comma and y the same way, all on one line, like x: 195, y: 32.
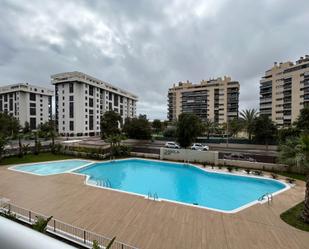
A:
x: 148, y: 224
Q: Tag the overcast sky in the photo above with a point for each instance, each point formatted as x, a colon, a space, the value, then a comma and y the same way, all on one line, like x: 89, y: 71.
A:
x: 146, y: 46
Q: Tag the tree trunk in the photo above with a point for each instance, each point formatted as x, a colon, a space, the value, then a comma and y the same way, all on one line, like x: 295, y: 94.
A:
x: 305, y: 214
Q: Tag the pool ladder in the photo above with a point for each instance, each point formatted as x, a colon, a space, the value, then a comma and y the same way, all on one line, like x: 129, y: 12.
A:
x: 153, y: 196
x: 269, y: 197
x: 104, y: 183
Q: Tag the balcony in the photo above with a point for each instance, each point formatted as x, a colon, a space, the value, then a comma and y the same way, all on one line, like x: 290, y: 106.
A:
x: 265, y: 100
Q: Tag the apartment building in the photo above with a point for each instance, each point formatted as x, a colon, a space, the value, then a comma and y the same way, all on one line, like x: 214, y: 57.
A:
x: 215, y: 99
x: 28, y: 103
x: 284, y: 91
x: 81, y: 100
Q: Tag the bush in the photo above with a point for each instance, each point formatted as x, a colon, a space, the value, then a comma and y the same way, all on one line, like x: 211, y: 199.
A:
x: 9, y: 215
x: 41, y: 224
x: 258, y: 172
x: 95, y: 245
x: 290, y: 180
x: 170, y: 132
x: 229, y: 168
x: 121, y: 151
x: 274, y: 176
x: 248, y: 171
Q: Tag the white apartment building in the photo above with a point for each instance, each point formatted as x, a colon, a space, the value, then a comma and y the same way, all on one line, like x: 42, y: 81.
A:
x: 28, y: 103
x: 81, y: 100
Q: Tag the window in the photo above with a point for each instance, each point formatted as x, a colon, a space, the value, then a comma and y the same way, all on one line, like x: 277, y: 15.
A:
x: 71, y: 125
x: 90, y: 102
x: 71, y: 111
x: 71, y: 88
x: 11, y: 104
x: 90, y: 122
x: 71, y: 98
x: 32, y: 96
x: 32, y: 123
x: 115, y: 100
x: 91, y: 90
x: 32, y: 109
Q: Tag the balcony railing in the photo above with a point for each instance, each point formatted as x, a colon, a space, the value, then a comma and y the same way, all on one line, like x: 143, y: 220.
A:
x: 61, y: 229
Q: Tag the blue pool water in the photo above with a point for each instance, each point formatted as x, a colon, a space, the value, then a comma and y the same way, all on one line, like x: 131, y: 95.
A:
x: 50, y: 168
x: 181, y: 183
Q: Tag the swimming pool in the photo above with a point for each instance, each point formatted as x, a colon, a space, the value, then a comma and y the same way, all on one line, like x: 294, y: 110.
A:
x: 181, y: 183
x: 51, y: 168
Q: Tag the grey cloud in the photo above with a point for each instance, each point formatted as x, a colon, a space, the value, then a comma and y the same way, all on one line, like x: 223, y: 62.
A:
x: 146, y: 46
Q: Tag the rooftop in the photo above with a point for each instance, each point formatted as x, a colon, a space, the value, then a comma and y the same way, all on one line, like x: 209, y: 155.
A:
x: 79, y: 76
x: 26, y: 87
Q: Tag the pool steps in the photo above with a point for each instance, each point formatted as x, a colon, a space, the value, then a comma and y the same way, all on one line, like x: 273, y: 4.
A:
x: 153, y: 196
x: 269, y: 197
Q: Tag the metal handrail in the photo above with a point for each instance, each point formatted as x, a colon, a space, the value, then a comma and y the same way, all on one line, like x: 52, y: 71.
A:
x: 269, y: 197
x: 62, y: 229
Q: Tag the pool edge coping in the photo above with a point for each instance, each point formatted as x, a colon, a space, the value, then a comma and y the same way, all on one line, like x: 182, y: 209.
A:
x: 13, y: 167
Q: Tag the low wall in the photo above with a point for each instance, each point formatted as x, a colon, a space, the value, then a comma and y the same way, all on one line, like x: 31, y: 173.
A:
x: 145, y: 155
x: 256, y: 165
x: 211, y: 157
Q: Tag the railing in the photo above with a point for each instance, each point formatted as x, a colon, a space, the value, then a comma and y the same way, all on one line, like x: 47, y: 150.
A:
x: 61, y: 229
x: 269, y: 197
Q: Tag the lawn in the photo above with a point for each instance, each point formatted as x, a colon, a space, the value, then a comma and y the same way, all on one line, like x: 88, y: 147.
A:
x: 33, y: 158
x: 296, y: 176
x: 292, y: 217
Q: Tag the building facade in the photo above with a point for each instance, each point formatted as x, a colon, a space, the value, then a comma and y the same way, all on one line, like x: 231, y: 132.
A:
x: 216, y: 100
x: 284, y: 91
x: 28, y: 103
x: 81, y: 100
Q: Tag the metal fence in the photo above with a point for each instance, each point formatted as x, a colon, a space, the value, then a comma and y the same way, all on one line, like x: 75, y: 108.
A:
x: 61, y: 229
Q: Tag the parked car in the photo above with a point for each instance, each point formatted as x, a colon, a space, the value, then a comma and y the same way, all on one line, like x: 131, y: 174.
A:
x: 197, y: 146
x: 172, y: 145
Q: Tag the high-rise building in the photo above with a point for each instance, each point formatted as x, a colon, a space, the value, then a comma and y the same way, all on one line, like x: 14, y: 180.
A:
x: 28, y: 103
x: 81, y: 100
x: 215, y: 99
x: 284, y: 91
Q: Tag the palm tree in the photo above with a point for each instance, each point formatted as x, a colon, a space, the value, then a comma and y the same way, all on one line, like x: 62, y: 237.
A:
x: 248, y: 116
x: 295, y: 152
x: 208, y: 127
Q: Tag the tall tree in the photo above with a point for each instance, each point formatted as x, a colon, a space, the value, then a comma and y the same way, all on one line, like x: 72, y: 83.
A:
x: 210, y: 127
x: 302, y: 122
x: 189, y: 126
x: 157, y: 125
x: 295, y: 152
x: 3, y: 142
x: 264, y: 130
x: 110, y: 124
x: 235, y: 126
x: 248, y: 116
x: 9, y: 126
x: 137, y: 128
x: 26, y: 128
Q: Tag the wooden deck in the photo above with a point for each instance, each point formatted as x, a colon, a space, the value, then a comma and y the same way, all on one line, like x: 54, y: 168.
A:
x: 148, y: 224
